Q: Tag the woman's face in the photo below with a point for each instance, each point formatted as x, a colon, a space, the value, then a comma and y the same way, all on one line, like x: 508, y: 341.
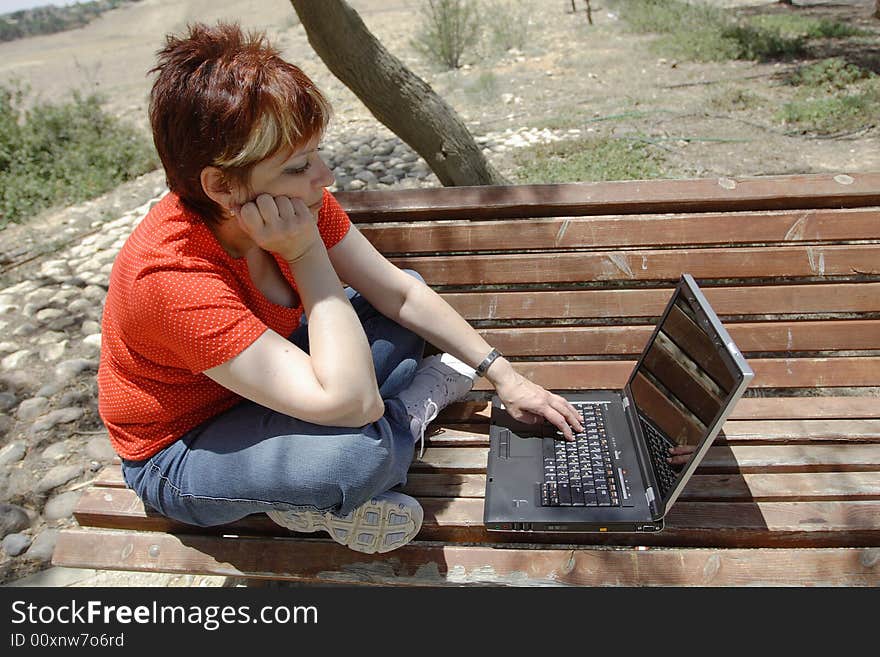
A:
x: 299, y: 173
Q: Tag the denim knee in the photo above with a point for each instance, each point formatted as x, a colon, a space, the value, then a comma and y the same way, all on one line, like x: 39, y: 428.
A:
x: 373, y: 466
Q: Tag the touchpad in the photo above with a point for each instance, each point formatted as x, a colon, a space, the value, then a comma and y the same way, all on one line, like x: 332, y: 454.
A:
x: 530, y: 446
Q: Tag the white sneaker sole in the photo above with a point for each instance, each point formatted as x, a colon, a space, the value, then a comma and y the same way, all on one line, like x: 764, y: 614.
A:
x: 385, y: 523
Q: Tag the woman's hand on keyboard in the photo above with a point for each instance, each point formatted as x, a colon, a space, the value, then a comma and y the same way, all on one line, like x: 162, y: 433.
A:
x: 529, y: 403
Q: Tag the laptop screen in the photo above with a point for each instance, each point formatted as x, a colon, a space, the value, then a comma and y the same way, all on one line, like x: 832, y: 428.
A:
x: 685, y: 383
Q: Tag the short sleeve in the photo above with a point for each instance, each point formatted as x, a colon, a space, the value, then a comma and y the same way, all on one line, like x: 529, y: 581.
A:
x: 196, y: 316
x: 333, y: 221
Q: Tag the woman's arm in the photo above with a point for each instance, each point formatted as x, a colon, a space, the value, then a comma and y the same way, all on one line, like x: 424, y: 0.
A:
x: 335, y: 384
x: 417, y: 307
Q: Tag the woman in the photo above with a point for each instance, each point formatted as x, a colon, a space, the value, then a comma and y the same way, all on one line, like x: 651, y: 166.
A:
x: 237, y: 374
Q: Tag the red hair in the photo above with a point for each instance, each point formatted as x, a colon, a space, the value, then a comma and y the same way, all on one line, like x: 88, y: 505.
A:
x: 226, y: 99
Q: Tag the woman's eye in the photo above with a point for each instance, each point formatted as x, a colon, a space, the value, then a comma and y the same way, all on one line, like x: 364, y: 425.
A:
x: 299, y: 170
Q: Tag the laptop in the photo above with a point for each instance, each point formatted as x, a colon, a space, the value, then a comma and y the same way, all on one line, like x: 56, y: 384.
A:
x: 615, y: 477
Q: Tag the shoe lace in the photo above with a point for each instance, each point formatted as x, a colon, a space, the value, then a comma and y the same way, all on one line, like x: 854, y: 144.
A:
x: 431, y: 412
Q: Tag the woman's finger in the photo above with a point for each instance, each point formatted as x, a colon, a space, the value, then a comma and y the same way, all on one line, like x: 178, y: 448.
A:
x: 268, y: 208
x: 249, y: 219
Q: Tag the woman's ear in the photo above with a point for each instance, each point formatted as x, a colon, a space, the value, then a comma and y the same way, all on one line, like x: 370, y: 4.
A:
x: 217, y: 187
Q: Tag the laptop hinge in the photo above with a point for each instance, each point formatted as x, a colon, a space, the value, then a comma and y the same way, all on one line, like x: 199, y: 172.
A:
x: 625, y: 402
x: 649, y: 495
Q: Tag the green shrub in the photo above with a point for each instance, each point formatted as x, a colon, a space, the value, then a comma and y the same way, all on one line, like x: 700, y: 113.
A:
x: 704, y: 33
x: 593, y: 159
x: 449, y: 28
x: 50, y: 19
x: 63, y: 153
x: 832, y: 114
x: 830, y: 74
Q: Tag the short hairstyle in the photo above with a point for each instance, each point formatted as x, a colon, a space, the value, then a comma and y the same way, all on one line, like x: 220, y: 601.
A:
x: 224, y: 98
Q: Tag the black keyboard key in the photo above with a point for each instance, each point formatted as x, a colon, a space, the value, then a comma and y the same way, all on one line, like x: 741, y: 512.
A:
x: 577, y: 495
x: 564, y: 491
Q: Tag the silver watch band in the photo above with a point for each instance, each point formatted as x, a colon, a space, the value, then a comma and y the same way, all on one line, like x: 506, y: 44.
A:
x: 487, y: 361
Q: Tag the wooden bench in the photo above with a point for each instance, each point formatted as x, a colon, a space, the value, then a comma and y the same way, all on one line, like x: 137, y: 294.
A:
x: 567, y: 281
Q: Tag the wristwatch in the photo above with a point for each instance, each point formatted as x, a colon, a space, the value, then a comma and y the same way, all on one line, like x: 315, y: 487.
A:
x: 487, y: 361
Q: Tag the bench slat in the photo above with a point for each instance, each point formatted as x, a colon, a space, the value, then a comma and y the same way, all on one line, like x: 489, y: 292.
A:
x: 814, y: 486
x: 626, y: 231
x: 421, y: 565
x: 649, y: 303
x: 727, y: 523
x: 750, y: 337
x: 769, y: 373
x: 647, y: 265
x: 629, y: 197
x: 748, y: 408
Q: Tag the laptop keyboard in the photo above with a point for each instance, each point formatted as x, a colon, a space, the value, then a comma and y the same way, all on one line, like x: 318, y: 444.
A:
x: 659, y: 448
x: 580, y: 473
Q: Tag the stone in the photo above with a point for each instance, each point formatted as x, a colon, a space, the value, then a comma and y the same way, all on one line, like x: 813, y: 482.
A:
x: 93, y: 341
x: 74, y: 398
x: 48, y: 337
x: 12, y: 452
x: 14, y: 544
x: 48, y: 314
x: 100, y: 449
x: 90, y: 327
x: 31, y: 409
x: 366, y: 176
x: 7, y: 401
x: 94, y: 293
x: 70, y: 369
x: 8, y: 347
x: 15, y: 360
x: 6, y: 423
x: 13, y: 519
x: 49, y: 390
x: 52, y: 352
x: 43, y: 545
x: 55, y: 451
x: 58, y: 476
x: 78, y: 306
x: 25, y: 330
x: 61, y: 506
x: 59, y: 416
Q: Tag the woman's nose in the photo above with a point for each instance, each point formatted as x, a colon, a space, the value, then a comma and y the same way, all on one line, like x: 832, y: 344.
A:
x: 325, y: 176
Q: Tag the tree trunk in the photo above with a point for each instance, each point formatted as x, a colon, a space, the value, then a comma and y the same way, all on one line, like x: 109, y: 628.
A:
x: 397, y: 97
x: 877, y: 9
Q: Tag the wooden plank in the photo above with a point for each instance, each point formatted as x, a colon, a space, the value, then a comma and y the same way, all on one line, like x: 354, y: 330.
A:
x: 629, y: 197
x: 811, y: 486
x: 758, y: 263
x: 557, y: 233
x: 769, y: 373
x: 420, y: 565
x: 750, y: 337
x: 690, y: 523
x: 649, y: 303
x: 749, y: 408
x: 725, y: 523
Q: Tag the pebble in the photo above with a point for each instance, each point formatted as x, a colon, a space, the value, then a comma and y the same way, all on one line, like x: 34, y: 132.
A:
x: 7, y: 401
x: 12, y: 452
x: 15, y: 544
x: 61, y: 506
x: 58, y: 476
x: 59, y: 416
x: 100, y: 449
x: 31, y: 409
x: 13, y: 519
x: 43, y: 545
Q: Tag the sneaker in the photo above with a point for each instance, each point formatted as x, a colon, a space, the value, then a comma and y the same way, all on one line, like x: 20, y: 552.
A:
x: 439, y: 381
x: 385, y: 523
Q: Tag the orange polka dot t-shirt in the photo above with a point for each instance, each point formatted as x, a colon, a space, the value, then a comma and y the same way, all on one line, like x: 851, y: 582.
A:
x: 179, y: 304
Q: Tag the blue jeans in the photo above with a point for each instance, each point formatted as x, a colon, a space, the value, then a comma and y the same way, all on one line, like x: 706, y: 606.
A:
x: 251, y: 459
